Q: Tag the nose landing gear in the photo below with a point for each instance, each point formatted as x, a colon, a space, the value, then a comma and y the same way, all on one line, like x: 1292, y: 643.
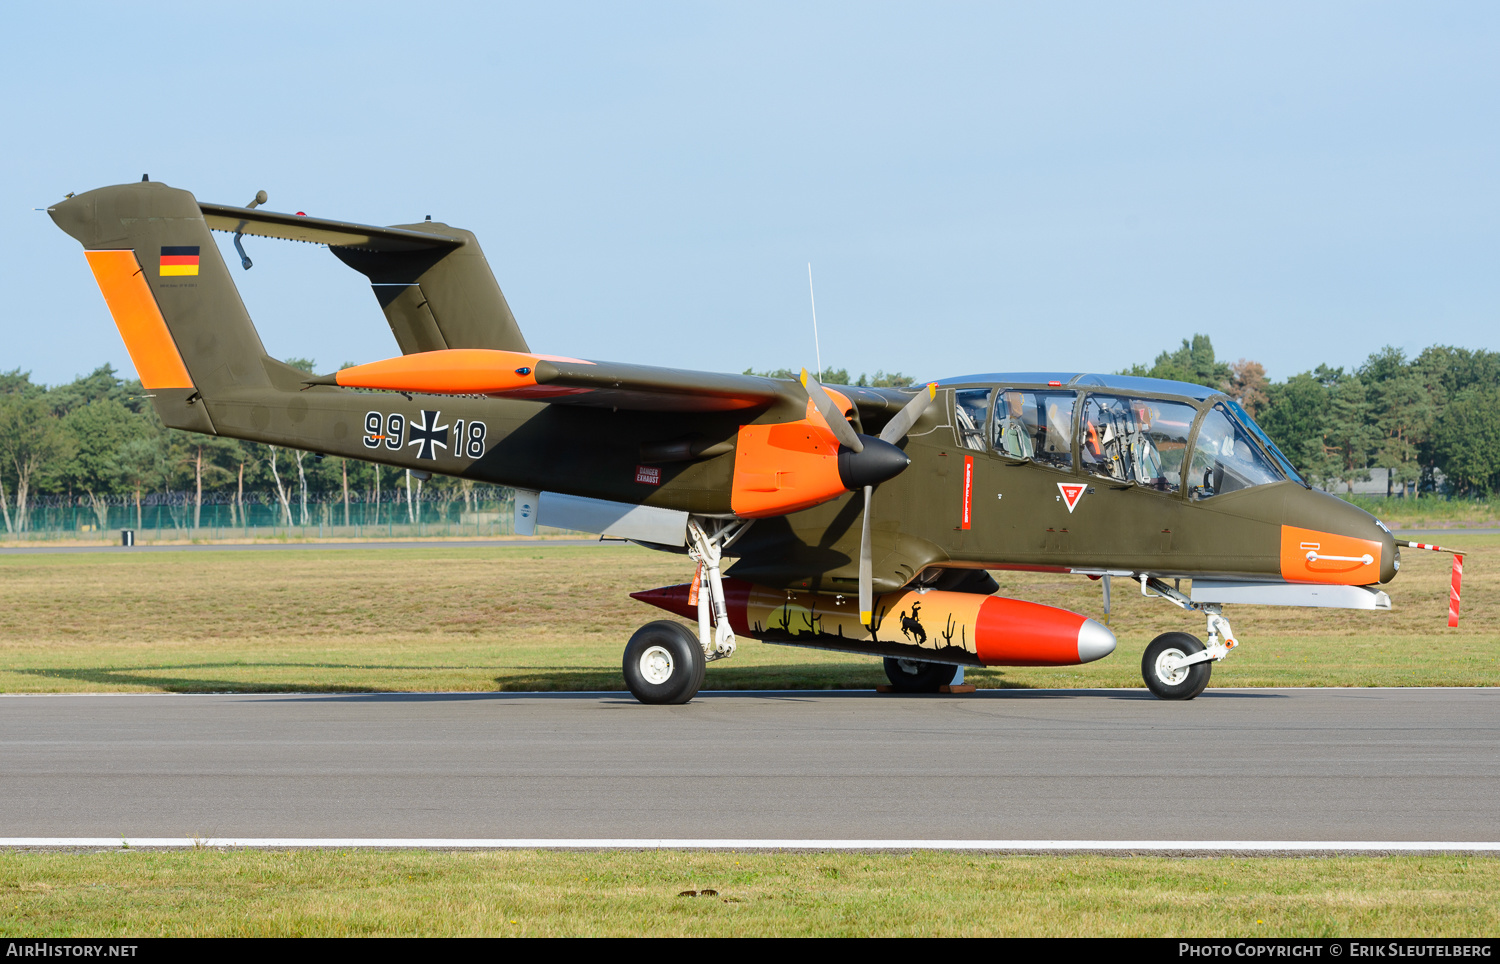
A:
x: 1176, y: 666
x: 1165, y: 668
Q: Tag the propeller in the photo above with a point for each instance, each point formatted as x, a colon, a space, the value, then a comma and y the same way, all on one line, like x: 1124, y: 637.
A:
x: 864, y: 462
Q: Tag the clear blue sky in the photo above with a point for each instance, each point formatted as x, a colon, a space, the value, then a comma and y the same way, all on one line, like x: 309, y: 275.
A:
x: 978, y: 187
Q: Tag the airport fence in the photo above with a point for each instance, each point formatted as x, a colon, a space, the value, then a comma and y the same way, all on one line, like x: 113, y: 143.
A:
x: 174, y: 517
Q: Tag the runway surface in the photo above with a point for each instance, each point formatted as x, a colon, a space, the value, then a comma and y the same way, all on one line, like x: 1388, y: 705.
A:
x: 281, y: 546
x: 1448, y: 534
x: 1288, y: 765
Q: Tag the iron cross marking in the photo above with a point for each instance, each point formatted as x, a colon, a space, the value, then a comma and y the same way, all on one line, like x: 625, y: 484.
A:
x: 427, y: 435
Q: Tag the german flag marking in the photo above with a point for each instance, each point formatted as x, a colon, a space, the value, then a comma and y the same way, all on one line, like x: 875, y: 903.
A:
x: 178, y: 260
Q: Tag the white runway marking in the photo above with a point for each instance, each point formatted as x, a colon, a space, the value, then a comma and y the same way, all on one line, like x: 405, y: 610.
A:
x: 640, y: 843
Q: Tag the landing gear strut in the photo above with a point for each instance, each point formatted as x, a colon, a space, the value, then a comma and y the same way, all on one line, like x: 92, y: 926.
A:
x: 664, y: 662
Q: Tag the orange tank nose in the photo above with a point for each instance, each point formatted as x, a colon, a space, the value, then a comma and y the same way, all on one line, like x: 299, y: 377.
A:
x: 1014, y: 632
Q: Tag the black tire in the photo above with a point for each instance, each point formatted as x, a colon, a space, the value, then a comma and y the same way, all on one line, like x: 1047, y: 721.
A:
x: 1185, y: 683
x: 663, y: 663
x: 926, y: 678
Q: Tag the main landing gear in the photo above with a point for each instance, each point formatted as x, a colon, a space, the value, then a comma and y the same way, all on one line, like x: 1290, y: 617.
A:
x: 918, y: 676
x: 1176, y: 666
x: 664, y: 662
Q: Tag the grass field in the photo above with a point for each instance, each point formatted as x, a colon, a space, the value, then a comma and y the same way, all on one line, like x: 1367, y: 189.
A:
x: 556, y: 618
x: 547, y: 618
x: 1429, y: 511
x: 541, y: 893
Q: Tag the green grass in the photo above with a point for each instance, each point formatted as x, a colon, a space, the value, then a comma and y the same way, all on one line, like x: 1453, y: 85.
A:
x: 556, y: 618
x: 541, y: 893
x: 1428, y: 512
x: 523, y: 618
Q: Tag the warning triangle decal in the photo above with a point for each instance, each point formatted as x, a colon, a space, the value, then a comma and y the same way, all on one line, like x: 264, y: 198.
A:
x: 1071, y: 493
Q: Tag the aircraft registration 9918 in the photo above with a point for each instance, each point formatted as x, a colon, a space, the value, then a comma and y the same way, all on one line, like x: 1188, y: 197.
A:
x: 856, y: 519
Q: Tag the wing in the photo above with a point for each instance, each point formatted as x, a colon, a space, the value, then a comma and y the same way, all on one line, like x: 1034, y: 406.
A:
x: 596, y: 384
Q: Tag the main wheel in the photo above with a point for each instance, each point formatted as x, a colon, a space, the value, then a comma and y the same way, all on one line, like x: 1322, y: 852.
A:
x: 1181, y: 683
x: 918, y: 676
x: 664, y: 663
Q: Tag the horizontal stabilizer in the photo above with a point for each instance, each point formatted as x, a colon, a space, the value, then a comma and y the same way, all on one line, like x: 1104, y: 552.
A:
x: 337, y: 234
x: 566, y: 381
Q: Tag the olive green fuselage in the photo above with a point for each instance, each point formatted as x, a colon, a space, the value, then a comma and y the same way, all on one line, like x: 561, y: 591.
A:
x: 959, y: 504
x: 1017, y: 514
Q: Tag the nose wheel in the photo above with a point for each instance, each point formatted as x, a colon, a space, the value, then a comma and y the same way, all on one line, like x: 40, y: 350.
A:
x: 1167, y: 669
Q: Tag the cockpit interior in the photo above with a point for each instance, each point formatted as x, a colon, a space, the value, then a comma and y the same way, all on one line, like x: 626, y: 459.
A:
x: 1171, y: 437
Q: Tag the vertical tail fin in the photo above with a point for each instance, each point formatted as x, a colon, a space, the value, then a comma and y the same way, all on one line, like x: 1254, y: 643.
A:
x: 171, y: 296
x: 438, y: 297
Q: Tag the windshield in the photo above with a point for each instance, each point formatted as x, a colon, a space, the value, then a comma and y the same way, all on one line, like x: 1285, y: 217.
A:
x: 1226, y: 458
x: 1243, y: 417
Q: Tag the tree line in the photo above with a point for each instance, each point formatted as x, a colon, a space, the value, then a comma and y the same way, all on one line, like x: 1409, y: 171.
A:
x: 1432, y: 420
x: 97, y: 441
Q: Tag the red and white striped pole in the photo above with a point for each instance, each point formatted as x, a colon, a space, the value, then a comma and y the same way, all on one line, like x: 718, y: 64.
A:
x: 1458, y: 575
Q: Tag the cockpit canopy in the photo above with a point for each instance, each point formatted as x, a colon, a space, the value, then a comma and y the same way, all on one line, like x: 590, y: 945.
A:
x: 1172, y: 437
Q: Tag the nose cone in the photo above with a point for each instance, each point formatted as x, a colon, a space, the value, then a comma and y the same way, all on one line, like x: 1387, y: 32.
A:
x: 878, y: 462
x: 1390, y: 554
x: 1095, y: 641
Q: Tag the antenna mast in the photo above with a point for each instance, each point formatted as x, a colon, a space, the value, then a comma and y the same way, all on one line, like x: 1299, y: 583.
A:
x: 817, y: 349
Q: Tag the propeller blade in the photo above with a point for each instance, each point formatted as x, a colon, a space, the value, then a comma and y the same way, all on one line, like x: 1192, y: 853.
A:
x: 866, y: 576
x: 842, y: 430
x: 897, y: 427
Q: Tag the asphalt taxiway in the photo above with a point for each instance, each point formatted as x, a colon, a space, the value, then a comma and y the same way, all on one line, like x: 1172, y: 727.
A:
x: 1251, y: 764
x: 46, y: 550
x: 501, y: 542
